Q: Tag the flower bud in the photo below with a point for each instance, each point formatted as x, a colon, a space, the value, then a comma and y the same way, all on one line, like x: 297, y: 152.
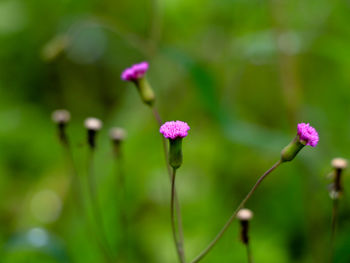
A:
x: 117, y: 135
x: 306, y: 135
x: 93, y: 125
x: 336, y: 188
x: 175, y: 131
x: 136, y: 74
x: 339, y: 163
x: 61, y: 118
x: 244, y: 216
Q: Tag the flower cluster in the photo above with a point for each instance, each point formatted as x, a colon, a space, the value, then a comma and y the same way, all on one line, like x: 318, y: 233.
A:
x: 135, y: 72
x: 174, y: 129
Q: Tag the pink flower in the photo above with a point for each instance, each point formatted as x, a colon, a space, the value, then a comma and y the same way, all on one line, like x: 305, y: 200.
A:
x: 135, y: 72
x: 307, y: 134
x: 174, y: 129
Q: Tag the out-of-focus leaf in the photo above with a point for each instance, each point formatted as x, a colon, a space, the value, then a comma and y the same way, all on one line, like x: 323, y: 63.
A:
x: 234, y: 129
x: 37, y: 240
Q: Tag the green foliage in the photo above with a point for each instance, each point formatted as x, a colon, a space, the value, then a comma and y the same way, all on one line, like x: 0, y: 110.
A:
x: 241, y: 73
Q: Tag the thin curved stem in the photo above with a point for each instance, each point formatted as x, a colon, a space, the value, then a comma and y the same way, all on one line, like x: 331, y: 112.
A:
x: 77, y: 189
x: 121, y: 197
x: 233, y: 216
x: 178, y: 245
x: 176, y: 199
x: 76, y: 184
x: 96, y: 211
x: 333, y: 227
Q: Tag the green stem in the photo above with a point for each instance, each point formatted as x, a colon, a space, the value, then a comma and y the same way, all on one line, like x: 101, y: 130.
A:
x: 77, y: 189
x: 233, y: 216
x: 96, y: 211
x: 333, y: 227
x: 178, y: 245
x: 76, y: 184
x: 249, y: 253
x: 121, y: 197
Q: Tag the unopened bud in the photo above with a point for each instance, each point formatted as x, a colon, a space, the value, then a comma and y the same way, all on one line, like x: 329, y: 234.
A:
x: 93, y: 125
x: 339, y: 163
x: 60, y: 116
x: 244, y: 216
x: 117, y: 135
x: 336, y: 188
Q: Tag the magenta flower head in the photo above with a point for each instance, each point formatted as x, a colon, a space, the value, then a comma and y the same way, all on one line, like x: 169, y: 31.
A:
x: 175, y: 131
x: 306, y: 135
x: 137, y: 74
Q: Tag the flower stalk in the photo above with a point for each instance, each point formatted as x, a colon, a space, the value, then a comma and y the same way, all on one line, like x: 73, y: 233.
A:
x: 233, y: 216
x: 93, y: 126
x: 175, y: 131
x: 336, y: 190
x: 137, y: 74
x: 306, y: 135
x: 117, y: 136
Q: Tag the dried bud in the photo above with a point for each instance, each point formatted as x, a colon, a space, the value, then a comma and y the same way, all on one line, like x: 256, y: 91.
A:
x: 117, y: 134
x: 245, y: 214
x: 61, y: 116
x: 336, y: 188
x: 339, y: 163
x: 93, y: 124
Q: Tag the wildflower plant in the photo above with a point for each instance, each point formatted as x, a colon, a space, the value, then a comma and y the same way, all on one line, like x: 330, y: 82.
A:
x: 137, y: 75
x: 175, y: 131
x: 306, y: 135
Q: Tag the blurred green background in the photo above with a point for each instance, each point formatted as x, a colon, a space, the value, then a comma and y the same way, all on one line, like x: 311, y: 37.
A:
x: 241, y: 73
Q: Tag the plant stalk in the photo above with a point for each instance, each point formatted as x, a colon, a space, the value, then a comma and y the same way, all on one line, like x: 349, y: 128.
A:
x: 176, y: 199
x: 178, y: 244
x: 233, y: 216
